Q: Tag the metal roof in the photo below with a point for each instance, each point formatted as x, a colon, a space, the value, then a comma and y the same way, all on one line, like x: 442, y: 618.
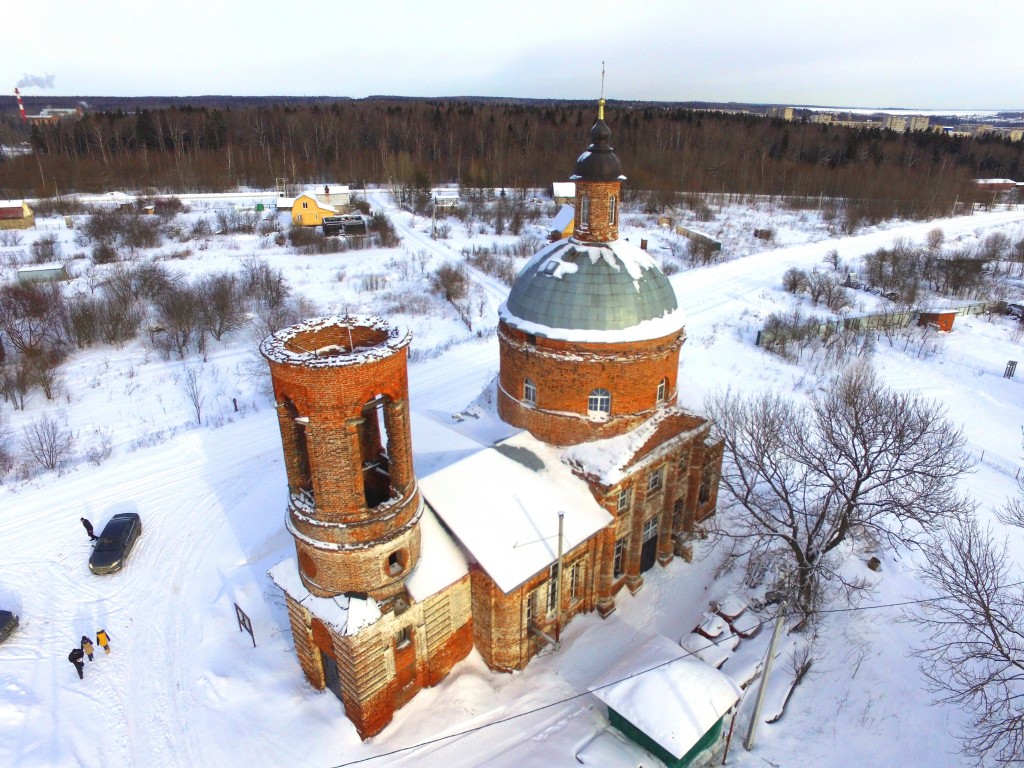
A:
x: 601, y: 287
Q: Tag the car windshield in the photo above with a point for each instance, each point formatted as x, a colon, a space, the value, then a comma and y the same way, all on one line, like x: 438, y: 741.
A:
x: 108, y: 542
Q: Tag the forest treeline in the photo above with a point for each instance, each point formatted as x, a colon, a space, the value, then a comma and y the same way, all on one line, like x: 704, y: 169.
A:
x: 500, y: 144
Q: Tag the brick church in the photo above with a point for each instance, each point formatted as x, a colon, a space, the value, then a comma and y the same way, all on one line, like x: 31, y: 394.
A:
x: 395, y: 578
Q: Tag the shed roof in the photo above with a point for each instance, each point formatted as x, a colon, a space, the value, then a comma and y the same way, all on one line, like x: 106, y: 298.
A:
x: 676, y: 702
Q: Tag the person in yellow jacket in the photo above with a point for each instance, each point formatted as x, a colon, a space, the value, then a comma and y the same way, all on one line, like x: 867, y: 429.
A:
x: 87, y: 647
x: 103, y: 640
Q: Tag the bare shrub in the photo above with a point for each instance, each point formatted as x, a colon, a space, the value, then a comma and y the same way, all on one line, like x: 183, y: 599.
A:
x: 178, y: 314
x: 30, y: 316
x: 382, y: 228
x: 221, y: 302
x: 100, y: 448
x: 45, y: 249
x: 264, y: 285
x: 192, y: 387
x: 794, y: 280
x: 11, y: 237
x: 47, y: 443
x: 450, y: 281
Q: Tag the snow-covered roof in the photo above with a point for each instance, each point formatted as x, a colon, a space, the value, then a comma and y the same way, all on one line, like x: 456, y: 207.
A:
x: 11, y: 203
x: 565, y: 216
x: 608, y: 460
x: 598, y: 292
x: 441, y: 561
x: 506, y: 513
x: 345, y: 615
x: 675, y: 703
x: 563, y: 188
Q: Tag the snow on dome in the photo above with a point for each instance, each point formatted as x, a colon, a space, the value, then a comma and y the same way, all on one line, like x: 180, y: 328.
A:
x: 676, y: 702
x: 335, y: 341
x: 602, y: 292
x: 345, y: 614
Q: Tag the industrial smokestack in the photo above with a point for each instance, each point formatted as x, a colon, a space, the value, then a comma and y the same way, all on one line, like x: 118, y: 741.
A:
x: 21, y: 107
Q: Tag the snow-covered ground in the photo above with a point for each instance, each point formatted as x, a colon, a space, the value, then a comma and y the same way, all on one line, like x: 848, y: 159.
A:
x: 184, y: 687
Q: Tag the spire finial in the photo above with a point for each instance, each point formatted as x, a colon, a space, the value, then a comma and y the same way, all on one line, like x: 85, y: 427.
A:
x: 600, y: 103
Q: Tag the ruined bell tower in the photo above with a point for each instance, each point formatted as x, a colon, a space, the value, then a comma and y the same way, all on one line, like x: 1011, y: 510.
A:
x: 341, y: 391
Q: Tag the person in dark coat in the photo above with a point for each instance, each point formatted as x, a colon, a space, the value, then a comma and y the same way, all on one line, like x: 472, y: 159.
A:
x: 88, y: 529
x: 75, y: 657
x: 87, y: 647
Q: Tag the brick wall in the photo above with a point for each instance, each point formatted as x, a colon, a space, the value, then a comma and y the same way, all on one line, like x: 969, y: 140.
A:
x: 383, y: 667
x: 598, y: 228
x: 355, y: 507
x: 566, y: 372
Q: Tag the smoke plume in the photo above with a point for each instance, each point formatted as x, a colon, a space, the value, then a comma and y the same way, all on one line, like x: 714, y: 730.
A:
x: 36, y: 81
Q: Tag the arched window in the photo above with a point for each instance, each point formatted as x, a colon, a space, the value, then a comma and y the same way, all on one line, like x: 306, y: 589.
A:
x: 662, y: 390
x: 599, y: 402
x: 584, y: 211
x: 611, y: 211
x: 529, y: 392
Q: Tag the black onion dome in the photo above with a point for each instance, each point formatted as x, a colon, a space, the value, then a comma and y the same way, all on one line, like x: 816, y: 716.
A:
x: 599, y: 162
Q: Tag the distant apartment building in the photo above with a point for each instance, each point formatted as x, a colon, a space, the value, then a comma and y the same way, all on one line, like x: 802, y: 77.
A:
x: 918, y: 123
x: 896, y: 123
x: 781, y: 113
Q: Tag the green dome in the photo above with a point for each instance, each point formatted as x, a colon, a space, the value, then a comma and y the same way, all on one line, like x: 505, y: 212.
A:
x: 603, y: 288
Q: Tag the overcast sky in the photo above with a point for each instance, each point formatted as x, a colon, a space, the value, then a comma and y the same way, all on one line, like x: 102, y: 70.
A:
x: 898, y: 53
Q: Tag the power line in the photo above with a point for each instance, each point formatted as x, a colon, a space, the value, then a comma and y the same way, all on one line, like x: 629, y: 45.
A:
x: 686, y: 654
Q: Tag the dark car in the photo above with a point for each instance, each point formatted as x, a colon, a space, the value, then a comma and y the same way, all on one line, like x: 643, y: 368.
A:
x: 114, y: 544
x: 8, y: 623
x: 1015, y: 310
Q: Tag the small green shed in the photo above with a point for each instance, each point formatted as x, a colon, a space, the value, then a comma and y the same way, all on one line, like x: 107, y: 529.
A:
x: 670, y: 703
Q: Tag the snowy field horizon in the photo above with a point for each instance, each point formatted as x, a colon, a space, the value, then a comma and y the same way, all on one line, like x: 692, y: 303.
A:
x: 183, y: 686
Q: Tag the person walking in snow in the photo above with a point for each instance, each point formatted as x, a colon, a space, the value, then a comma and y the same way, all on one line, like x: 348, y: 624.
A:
x: 88, y: 529
x: 87, y: 647
x: 75, y: 657
x: 103, y: 640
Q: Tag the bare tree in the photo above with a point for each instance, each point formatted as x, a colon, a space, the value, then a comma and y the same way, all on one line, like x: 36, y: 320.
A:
x: 972, y: 652
x: 222, y: 308
x: 859, y: 461
x: 47, y: 442
x: 192, y: 386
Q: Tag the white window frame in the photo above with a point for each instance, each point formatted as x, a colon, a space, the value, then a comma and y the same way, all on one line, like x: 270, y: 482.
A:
x: 584, y: 211
x: 599, y: 402
x: 619, y: 558
x: 625, y: 500
x: 662, y: 390
x: 611, y: 210
x: 529, y: 391
x: 655, y: 480
x: 650, y: 529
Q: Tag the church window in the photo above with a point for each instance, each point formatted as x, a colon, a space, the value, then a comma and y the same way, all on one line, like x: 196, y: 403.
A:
x: 576, y: 582
x: 611, y: 211
x: 584, y: 211
x: 677, y: 516
x: 553, y: 589
x: 402, y: 637
x: 624, y: 499
x: 530, y: 392
x: 662, y: 390
x: 651, y: 529
x: 599, y: 402
x: 618, y: 563
x: 654, y: 480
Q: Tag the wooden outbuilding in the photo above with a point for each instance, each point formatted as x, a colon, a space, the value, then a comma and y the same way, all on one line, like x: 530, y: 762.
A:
x: 16, y: 214
x: 941, y: 319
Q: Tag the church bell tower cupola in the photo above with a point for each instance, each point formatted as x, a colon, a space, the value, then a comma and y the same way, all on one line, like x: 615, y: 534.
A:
x: 598, y: 177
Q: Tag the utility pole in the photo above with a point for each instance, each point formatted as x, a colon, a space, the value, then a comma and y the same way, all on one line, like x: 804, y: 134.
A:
x: 749, y: 742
